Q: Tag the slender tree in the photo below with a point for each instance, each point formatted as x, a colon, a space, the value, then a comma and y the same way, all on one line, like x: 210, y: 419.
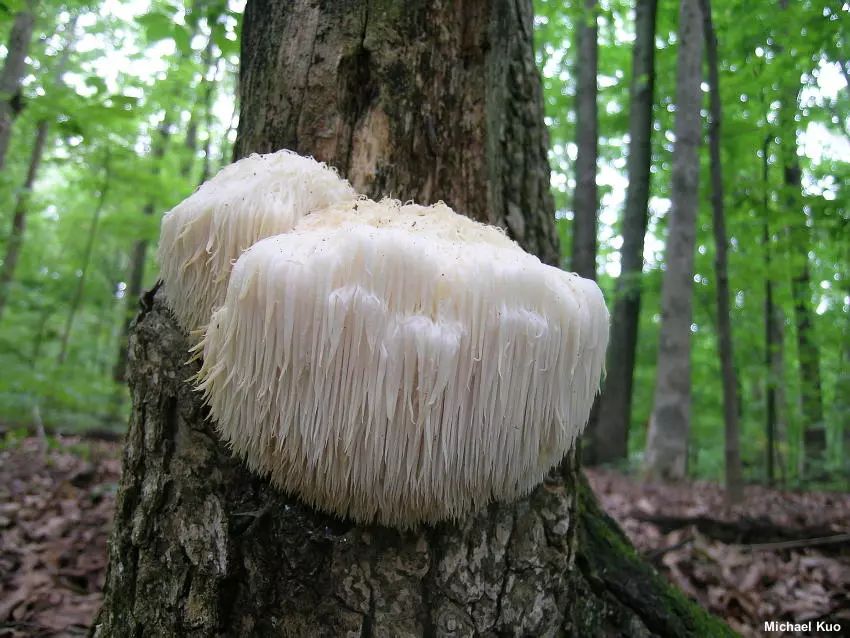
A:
x: 424, y: 101
x: 732, y: 429
x: 139, y: 252
x: 808, y: 355
x: 15, y: 241
x: 798, y: 245
x: 669, y: 428
x: 609, y: 439
x: 842, y: 384
x: 84, y: 269
x: 17, y: 50
x: 773, y: 331
x: 585, y: 201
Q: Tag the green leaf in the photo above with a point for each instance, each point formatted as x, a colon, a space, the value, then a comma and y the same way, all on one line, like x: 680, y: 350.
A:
x: 157, y: 26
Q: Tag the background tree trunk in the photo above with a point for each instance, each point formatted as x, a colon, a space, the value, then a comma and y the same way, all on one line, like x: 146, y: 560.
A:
x: 15, y: 241
x: 732, y: 429
x: 667, y: 444
x: 585, y: 201
x: 770, y: 328
x: 77, y: 299
x: 139, y: 253
x: 808, y: 357
x: 609, y: 440
x: 139, y: 259
x: 13, y: 72
x: 424, y: 101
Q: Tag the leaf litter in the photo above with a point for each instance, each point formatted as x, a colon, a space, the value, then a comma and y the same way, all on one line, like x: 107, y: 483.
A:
x: 747, y: 564
x: 777, y: 555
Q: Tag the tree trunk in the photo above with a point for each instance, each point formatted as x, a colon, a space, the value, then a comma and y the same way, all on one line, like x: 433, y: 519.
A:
x: 772, y: 331
x: 777, y: 379
x: 808, y: 357
x: 138, y: 259
x: 842, y: 388
x: 769, y: 350
x: 204, y: 90
x: 423, y: 101
x: 732, y: 430
x: 610, y: 438
x: 13, y: 72
x: 87, y: 255
x: 585, y: 204
x: 19, y: 217
x: 667, y: 444
x: 139, y: 253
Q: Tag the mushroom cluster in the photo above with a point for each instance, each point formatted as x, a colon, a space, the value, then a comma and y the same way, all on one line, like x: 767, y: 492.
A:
x: 256, y: 197
x: 391, y: 363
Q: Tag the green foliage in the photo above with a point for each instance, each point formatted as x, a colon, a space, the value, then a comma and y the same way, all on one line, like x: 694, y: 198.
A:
x: 133, y: 86
x: 781, y: 81
x: 128, y: 85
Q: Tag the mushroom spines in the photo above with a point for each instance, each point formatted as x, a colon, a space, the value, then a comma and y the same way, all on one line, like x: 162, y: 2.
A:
x: 256, y: 197
x: 398, y: 373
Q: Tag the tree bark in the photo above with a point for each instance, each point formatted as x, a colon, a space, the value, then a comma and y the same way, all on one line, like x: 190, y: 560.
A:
x: 370, y: 91
x: 808, y: 356
x: 585, y: 201
x: 13, y: 72
x: 667, y: 444
x: 610, y: 437
x: 773, y: 334
x: 732, y: 429
x: 842, y: 387
x: 769, y: 345
x: 19, y: 216
x: 424, y: 101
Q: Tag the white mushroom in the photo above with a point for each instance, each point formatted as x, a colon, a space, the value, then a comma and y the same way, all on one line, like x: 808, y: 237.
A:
x: 256, y: 197
x: 401, y: 364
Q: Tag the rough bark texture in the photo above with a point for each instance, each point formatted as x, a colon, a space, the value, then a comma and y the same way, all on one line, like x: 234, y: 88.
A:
x: 610, y: 436
x: 412, y: 100
x: 667, y: 444
x: 200, y: 546
x: 585, y: 201
x: 13, y: 72
x: 732, y: 429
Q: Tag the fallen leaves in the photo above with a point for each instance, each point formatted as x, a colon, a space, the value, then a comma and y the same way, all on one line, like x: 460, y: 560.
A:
x: 55, y: 513
x: 722, y: 556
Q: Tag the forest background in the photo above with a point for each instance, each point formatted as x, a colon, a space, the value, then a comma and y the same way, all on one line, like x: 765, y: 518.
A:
x: 112, y: 112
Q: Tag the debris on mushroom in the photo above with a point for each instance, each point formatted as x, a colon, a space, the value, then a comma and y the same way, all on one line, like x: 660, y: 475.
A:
x: 401, y: 364
x: 256, y: 197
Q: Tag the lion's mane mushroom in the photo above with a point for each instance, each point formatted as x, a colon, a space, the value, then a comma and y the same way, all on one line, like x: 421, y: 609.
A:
x: 401, y: 364
x: 256, y: 197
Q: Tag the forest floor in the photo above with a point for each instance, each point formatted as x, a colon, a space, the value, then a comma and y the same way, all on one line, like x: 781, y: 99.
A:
x: 748, y: 564
x: 777, y: 555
